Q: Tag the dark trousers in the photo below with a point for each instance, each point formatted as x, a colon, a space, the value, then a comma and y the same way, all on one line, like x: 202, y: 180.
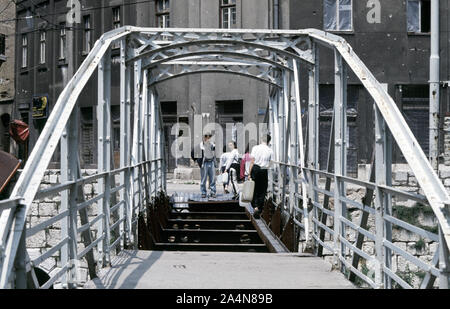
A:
x: 261, y: 179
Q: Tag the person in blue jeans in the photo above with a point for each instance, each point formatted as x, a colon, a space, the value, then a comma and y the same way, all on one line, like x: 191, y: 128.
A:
x: 207, y: 164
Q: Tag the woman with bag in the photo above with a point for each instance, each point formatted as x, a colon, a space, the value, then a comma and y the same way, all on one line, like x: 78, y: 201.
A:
x: 223, y: 164
x: 232, y: 166
x: 262, y: 156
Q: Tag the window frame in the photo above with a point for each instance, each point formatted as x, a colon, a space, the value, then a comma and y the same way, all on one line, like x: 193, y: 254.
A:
x: 228, y: 7
x: 420, y: 31
x: 337, y: 17
x: 87, y: 34
x: 62, y: 42
x: 163, y: 14
x: 24, y: 50
x: 42, y: 47
x: 116, y: 23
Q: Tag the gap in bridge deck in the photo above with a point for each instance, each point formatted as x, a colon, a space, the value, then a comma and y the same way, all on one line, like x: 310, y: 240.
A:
x: 209, y: 224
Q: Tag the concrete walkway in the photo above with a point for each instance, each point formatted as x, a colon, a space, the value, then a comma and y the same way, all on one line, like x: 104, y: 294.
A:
x: 217, y: 270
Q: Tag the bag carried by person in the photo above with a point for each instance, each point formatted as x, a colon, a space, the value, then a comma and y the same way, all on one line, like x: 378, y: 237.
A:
x: 247, y: 191
x: 223, y: 178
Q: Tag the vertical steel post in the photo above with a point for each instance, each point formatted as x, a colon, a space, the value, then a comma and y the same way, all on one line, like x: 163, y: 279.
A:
x: 387, y: 200
x: 380, y: 179
x: 271, y: 130
x: 277, y: 139
x: 69, y: 170
x: 20, y: 262
x: 301, y: 148
x: 158, y: 142
x: 282, y: 105
x: 444, y: 262
x: 125, y: 136
x: 293, y: 154
x: 104, y: 151
x: 340, y: 154
x: 313, y: 129
x: 153, y: 130
x: 434, y: 85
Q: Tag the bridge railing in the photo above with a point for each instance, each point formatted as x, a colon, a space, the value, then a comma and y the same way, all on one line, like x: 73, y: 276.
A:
x: 319, y: 199
x: 94, y: 214
x: 363, y: 244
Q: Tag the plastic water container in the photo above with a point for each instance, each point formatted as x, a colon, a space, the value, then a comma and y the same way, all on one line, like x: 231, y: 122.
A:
x: 247, y: 191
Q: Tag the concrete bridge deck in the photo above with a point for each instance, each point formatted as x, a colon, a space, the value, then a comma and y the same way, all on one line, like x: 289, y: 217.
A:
x: 217, y: 270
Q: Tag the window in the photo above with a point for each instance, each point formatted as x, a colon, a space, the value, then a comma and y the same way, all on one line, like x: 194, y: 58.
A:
x: 42, y: 44
x: 338, y: 15
x: 87, y: 136
x: 24, y: 51
x: 62, y: 41
x: 227, y: 14
x: 2, y: 44
x: 163, y: 13
x: 116, y: 23
x: 116, y: 17
x: 415, y: 107
x: 418, y: 16
x: 87, y: 34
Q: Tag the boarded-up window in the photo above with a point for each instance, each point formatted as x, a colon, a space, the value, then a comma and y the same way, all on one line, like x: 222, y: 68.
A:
x: 415, y: 102
x: 87, y: 136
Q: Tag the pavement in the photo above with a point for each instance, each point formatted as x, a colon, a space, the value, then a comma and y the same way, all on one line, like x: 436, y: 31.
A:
x: 217, y: 270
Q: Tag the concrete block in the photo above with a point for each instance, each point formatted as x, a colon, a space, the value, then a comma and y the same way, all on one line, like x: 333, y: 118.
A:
x: 53, y: 179
x: 401, y: 177
x: 36, y: 241
x: 183, y: 173
x: 53, y: 237
x: 48, y: 209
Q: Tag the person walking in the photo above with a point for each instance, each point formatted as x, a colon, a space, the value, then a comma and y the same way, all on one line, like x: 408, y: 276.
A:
x: 262, y: 155
x: 208, y: 168
x: 245, y: 164
x: 232, y: 166
x: 223, y: 164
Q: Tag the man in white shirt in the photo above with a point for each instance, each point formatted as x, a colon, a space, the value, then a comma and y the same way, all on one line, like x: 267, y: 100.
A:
x: 262, y: 155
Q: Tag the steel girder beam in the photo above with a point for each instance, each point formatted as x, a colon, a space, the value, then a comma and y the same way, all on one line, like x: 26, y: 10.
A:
x: 217, y: 55
x: 157, y: 44
x: 165, y: 75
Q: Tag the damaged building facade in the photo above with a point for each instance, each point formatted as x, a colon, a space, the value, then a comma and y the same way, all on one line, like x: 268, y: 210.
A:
x: 7, y: 48
x: 391, y: 37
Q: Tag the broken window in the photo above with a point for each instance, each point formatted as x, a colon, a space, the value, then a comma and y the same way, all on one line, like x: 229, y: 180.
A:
x: 338, y: 15
x: 418, y: 16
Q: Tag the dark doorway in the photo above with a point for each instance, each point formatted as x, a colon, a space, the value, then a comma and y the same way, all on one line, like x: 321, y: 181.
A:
x: 231, y: 113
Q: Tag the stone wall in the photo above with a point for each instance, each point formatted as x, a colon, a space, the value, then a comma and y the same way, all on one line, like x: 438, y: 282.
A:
x: 43, y: 210
x: 447, y: 140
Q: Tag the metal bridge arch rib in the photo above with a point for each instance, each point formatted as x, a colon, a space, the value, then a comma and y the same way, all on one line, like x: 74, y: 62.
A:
x: 152, y: 56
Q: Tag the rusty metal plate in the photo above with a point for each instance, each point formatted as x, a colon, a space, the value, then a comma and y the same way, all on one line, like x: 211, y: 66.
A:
x: 275, y: 223
x: 8, y: 167
x: 288, y: 236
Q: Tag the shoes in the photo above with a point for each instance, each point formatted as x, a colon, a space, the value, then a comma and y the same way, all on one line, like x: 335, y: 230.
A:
x: 203, y: 195
x: 213, y: 195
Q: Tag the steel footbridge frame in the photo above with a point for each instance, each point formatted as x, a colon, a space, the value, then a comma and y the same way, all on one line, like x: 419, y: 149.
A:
x: 149, y: 56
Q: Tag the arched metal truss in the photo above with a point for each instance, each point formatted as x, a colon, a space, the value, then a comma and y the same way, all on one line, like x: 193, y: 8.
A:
x: 151, y: 56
